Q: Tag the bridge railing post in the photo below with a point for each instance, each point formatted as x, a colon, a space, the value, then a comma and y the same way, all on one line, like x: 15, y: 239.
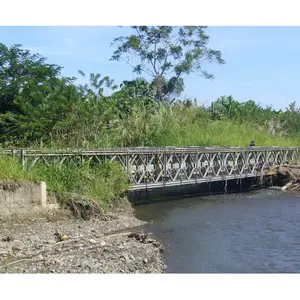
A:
x: 23, y: 158
x: 197, y: 165
x: 165, y: 160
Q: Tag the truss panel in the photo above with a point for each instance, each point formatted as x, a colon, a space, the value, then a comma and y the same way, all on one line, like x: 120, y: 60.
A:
x: 158, y: 167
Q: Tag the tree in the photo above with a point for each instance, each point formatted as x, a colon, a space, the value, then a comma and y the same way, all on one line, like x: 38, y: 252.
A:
x: 167, y: 54
x: 40, y: 112
x: 19, y: 71
x: 224, y: 106
x: 94, y: 90
x: 135, y: 92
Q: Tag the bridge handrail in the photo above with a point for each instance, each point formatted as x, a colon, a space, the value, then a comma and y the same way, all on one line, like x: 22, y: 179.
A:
x: 140, y: 150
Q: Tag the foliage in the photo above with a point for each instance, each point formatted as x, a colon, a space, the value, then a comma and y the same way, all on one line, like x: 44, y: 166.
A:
x: 101, y: 183
x: 19, y: 72
x: 40, y: 114
x: 167, y: 54
x: 11, y: 169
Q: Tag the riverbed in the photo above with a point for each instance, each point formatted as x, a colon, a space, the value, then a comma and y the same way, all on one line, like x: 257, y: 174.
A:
x: 255, y: 232
x: 59, y: 243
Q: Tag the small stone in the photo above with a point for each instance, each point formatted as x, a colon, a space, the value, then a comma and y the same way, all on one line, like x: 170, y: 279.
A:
x: 16, y: 248
x: 40, y: 257
x: 150, y: 241
x: 85, y: 264
x: 125, y: 257
x: 64, y: 237
x: 92, y: 241
x: 18, y: 254
x: 98, y: 266
x: 34, y: 238
x: 145, y: 260
x: 131, y: 257
x: 102, y: 243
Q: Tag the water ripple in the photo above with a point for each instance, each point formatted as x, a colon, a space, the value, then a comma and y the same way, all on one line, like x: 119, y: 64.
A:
x: 246, y: 233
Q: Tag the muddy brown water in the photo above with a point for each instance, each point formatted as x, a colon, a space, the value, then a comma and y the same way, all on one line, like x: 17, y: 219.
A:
x: 255, y: 232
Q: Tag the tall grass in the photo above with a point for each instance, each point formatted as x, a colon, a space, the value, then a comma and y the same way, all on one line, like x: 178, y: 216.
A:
x: 102, y: 183
x: 177, y: 126
x: 174, y: 126
x: 99, y: 183
x: 11, y: 169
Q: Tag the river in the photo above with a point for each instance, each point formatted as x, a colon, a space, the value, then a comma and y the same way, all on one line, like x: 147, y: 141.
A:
x: 255, y: 232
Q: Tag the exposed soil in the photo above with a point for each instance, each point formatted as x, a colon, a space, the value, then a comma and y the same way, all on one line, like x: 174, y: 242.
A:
x: 290, y: 178
x: 60, y: 243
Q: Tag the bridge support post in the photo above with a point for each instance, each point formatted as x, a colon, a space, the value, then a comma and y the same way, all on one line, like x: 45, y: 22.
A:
x: 23, y: 158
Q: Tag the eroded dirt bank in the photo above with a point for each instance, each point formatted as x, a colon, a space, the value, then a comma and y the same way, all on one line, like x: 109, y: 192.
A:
x: 59, y: 243
x: 289, y: 178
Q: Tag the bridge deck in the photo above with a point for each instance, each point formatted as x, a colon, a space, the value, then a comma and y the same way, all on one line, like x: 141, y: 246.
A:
x: 149, y: 167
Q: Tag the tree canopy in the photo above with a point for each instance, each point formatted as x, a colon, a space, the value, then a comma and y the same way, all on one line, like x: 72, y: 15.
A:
x: 167, y: 54
x: 20, y: 71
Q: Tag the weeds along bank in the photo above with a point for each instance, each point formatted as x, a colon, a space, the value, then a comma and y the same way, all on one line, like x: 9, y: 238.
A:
x: 74, y: 187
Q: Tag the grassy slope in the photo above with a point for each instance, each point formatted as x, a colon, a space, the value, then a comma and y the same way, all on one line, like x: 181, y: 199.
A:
x: 103, y: 184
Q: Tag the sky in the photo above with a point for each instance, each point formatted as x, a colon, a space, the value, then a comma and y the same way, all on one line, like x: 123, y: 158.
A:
x: 262, y: 63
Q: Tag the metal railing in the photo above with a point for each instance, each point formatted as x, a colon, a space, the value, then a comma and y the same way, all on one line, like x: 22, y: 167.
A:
x: 150, y: 167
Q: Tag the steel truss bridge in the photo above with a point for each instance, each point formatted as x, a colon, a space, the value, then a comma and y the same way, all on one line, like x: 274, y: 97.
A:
x: 149, y: 168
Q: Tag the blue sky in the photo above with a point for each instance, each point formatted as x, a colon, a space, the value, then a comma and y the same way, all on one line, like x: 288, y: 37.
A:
x: 262, y: 63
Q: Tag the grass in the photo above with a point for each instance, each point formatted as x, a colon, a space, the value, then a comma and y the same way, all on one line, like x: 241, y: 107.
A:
x: 183, y: 126
x: 101, y: 184
x: 177, y: 126
x: 222, y: 133
x: 12, y: 170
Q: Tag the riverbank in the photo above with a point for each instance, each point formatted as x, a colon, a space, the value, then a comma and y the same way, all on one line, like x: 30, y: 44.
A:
x: 60, y: 243
x: 289, y: 176
x: 113, y: 242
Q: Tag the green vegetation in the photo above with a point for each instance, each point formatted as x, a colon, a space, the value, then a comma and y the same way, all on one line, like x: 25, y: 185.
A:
x: 11, y: 169
x: 166, y: 54
x: 102, y: 183
x: 39, y: 108
x: 97, y: 185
